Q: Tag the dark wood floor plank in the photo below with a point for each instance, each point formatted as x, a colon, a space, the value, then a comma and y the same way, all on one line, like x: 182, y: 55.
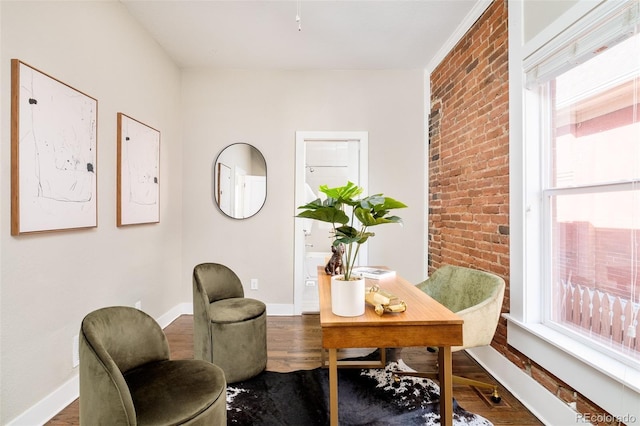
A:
x: 294, y: 343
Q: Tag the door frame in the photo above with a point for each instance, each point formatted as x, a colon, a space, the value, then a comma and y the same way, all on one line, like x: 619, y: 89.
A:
x: 362, y: 138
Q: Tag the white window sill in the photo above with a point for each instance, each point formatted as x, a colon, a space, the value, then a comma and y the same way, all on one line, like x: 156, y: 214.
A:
x: 607, y: 382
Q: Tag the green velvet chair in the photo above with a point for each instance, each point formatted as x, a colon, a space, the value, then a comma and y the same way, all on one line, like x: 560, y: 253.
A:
x: 229, y: 330
x: 476, y: 296
x: 127, y: 377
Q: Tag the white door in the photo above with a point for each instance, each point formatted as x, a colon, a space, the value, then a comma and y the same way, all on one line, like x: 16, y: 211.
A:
x: 224, y: 188
x: 255, y: 193
x: 238, y: 191
x: 331, y: 158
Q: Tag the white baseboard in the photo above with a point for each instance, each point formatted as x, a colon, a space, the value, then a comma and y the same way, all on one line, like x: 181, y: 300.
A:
x: 173, y: 313
x: 52, y: 404
x: 49, y: 406
x: 280, y: 309
x: 543, y: 404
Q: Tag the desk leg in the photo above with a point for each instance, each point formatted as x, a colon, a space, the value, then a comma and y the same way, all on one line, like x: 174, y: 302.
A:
x: 333, y: 386
x: 446, y: 385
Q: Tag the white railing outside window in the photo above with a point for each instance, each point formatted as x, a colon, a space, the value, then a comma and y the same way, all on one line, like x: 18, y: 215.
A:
x: 607, y: 319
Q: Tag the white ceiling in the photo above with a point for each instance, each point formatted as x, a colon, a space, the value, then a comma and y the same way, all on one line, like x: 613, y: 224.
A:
x: 263, y: 34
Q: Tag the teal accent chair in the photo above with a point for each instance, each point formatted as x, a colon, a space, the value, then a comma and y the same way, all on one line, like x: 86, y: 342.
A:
x: 127, y: 376
x: 475, y: 296
x: 229, y: 330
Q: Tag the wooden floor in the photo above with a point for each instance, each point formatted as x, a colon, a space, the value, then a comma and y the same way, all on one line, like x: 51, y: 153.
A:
x: 294, y: 343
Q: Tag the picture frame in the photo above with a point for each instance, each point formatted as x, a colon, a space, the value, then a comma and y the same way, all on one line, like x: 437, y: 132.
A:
x: 54, y: 136
x: 138, y: 172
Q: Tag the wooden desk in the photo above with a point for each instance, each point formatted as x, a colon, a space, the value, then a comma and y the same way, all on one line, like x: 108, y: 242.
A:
x: 424, y: 323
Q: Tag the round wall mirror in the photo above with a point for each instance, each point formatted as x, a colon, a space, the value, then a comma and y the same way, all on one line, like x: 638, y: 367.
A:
x: 240, y: 180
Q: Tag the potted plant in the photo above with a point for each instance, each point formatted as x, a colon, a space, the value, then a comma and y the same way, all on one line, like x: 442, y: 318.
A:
x: 351, y: 218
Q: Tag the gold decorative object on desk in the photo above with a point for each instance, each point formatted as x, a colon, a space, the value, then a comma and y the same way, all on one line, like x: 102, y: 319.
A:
x: 383, y: 301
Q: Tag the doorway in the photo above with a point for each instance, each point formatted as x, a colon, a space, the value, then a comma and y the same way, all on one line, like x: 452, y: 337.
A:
x: 322, y: 158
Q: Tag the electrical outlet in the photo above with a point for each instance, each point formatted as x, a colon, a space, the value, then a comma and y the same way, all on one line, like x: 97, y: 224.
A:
x: 254, y: 283
x: 76, y: 351
x: 139, y: 305
x: 310, y: 283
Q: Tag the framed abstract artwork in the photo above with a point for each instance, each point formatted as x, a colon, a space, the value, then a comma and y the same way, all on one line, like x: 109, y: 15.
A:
x: 53, y: 153
x: 138, y: 174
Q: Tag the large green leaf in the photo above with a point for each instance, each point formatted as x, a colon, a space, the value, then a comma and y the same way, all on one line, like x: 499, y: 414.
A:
x: 347, y: 231
x: 343, y: 194
x: 379, y: 202
x: 372, y: 201
x: 325, y: 214
x: 390, y: 204
x: 348, y: 235
x: 312, y: 205
x: 367, y: 218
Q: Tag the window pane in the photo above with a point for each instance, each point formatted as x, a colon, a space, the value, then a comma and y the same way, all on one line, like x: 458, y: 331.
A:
x: 596, y: 115
x: 595, y: 246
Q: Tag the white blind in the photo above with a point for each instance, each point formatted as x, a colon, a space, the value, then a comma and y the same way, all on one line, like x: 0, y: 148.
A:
x: 604, y: 27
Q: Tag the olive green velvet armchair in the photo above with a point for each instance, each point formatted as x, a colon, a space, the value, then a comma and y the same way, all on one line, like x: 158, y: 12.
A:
x: 476, y: 296
x: 127, y: 377
x: 229, y: 330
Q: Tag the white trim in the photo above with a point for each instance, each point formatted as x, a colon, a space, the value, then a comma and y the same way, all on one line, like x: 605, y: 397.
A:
x: 172, y: 314
x: 566, y: 20
x: 280, y: 309
x: 542, y: 403
x: 50, y: 405
x: 426, y: 153
x: 516, y: 162
x: 299, y: 196
x: 603, y: 380
x: 592, y: 29
x: 298, y: 233
x: 478, y: 9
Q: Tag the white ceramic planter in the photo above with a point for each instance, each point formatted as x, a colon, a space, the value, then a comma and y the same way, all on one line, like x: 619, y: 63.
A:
x: 347, y: 297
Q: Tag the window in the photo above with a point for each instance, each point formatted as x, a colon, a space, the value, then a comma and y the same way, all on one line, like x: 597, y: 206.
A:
x: 587, y: 93
x: 574, y: 210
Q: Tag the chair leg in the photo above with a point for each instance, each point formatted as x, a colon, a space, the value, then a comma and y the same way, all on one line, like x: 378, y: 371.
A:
x: 495, y: 395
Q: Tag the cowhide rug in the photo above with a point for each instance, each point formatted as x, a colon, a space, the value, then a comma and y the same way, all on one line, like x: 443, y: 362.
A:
x: 365, y: 397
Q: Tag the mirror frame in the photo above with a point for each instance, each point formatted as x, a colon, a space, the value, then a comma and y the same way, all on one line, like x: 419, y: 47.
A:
x: 232, y: 171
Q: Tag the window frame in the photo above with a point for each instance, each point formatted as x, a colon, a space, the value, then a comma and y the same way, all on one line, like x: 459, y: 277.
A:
x: 548, y: 303
x: 613, y: 385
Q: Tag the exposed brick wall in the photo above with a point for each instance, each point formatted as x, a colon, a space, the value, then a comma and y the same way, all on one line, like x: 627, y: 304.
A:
x: 469, y: 150
x: 469, y: 171
x: 469, y: 154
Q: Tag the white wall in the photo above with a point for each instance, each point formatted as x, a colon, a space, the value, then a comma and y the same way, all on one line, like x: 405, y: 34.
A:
x: 48, y: 282
x: 265, y: 109
x: 540, y: 13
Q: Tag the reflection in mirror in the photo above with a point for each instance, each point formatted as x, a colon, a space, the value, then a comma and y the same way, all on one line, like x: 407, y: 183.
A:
x: 240, y: 180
